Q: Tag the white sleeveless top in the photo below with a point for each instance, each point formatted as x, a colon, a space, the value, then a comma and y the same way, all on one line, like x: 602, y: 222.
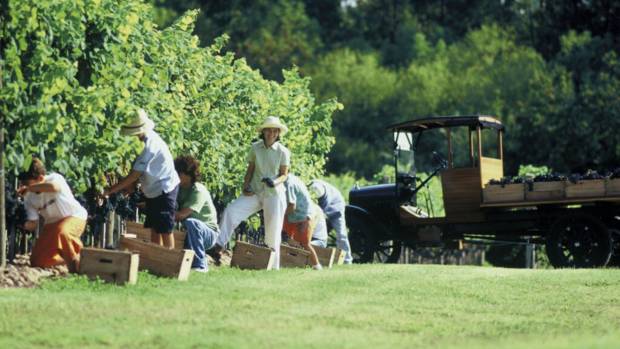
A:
x: 54, y: 206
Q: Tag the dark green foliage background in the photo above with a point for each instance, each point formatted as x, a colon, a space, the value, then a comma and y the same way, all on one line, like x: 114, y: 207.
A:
x: 547, y: 69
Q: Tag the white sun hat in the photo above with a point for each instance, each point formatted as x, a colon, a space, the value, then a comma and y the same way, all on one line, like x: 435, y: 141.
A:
x: 273, y: 122
x: 139, y: 123
x: 317, y: 188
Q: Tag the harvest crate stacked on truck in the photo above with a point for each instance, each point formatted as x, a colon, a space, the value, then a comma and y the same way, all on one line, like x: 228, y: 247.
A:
x: 545, y: 189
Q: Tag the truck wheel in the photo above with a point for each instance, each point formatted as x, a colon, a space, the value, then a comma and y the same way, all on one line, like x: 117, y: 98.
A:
x: 365, y: 245
x: 388, y: 251
x: 360, y: 238
x: 578, y: 240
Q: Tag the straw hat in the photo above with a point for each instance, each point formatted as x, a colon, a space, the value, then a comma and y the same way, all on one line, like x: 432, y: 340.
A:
x: 273, y: 122
x: 140, y: 123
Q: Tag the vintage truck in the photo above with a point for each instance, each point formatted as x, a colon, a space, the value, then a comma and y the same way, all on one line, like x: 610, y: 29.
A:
x: 579, y: 223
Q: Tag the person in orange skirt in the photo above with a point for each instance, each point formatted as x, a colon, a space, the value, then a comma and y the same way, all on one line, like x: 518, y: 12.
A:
x: 301, y: 217
x: 64, y: 219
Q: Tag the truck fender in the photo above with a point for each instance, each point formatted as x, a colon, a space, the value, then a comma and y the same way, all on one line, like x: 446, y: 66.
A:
x: 353, y: 212
x: 356, y: 211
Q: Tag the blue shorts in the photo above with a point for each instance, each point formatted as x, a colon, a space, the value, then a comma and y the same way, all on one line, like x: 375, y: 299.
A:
x: 160, y: 212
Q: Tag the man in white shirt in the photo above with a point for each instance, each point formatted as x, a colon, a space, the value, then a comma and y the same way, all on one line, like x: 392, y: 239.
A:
x: 154, y: 167
x: 65, y: 219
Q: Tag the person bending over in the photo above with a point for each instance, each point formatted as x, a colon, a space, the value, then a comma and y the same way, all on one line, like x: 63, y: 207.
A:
x: 301, y: 216
x: 49, y: 196
x: 333, y: 205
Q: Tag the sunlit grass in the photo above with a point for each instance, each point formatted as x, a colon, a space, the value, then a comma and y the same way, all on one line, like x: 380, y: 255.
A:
x: 360, y: 306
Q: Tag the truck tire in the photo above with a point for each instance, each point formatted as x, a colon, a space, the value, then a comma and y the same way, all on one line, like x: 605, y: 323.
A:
x: 367, y: 247
x: 578, y: 240
x: 388, y: 251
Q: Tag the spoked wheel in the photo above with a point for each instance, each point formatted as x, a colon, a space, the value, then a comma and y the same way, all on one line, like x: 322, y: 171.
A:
x: 366, y: 247
x: 387, y: 251
x: 578, y: 241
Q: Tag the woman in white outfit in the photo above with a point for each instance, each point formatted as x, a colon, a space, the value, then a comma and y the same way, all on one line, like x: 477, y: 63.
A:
x: 263, y: 188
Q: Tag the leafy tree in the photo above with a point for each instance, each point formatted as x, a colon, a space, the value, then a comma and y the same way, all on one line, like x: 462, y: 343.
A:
x: 541, y: 24
x: 271, y: 35
x: 584, y: 126
x: 486, y: 73
x: 73, y: 72
x: 367, y: 91
x: 490, y: 74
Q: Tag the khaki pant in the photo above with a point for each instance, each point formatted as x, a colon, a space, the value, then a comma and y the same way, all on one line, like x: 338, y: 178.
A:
x: 273, y: 207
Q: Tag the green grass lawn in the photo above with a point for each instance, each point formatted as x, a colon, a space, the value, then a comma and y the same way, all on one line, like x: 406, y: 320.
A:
x: 360, y: 306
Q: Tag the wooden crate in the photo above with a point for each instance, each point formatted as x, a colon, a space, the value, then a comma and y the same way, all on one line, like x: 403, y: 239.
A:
x: 160, y: 260
x: 506, y: 193
x: 612, y: 187
x: 326, y: 255
x: 585, y: 189
x: 291, y: 257
x: 339, y: 257
x: 140, y: 232
x: 248, y: 256
x: 545, y: 191
x: 119, y: 267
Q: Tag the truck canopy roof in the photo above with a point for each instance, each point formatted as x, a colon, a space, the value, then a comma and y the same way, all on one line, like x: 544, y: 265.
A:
x: 428, y: 123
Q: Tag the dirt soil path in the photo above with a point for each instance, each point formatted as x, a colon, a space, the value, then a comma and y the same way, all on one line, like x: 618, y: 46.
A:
x: 19, y: 273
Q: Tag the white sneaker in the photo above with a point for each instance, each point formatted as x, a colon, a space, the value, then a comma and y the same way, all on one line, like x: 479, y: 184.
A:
x: 317, y: 267
x: 201, y: 270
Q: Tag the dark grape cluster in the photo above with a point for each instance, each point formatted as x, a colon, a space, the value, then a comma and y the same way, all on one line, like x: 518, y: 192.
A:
x: 614, y: 173
x: 554, y: 177
x: 126, y: 206
x: 123, y: 205
x: 14, y: 209
x: 590, y: 174
x: 507, y: 180
x: 549, y: 177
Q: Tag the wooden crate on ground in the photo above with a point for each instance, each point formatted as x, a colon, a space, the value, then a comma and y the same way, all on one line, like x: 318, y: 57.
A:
x: 143, y: 233
x: 612, y: 187
x: 545, y: 191
x: 326, y: 255
x: 503, y: 193
x: 160, y: 260
x: 585, y: 188
x: 339, y: 257
x: 119, y: 267
x: 291, y: 257
x: 248, y: 256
